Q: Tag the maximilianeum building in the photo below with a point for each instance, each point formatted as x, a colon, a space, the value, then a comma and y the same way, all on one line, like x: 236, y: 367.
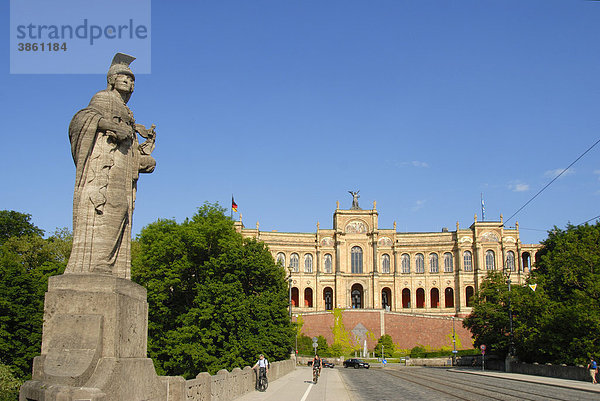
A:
x: 358, y: 265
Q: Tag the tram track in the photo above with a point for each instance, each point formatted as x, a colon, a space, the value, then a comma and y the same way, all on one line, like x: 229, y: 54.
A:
x: 463, y: 389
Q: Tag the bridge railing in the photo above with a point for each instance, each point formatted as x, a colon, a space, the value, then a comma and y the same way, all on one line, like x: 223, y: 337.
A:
x: 224, y: 386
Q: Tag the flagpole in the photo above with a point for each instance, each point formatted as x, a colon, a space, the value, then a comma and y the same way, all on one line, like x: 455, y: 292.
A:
x: 231, y: 215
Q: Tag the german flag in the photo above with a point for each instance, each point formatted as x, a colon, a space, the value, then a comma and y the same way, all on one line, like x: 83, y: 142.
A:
x: 233, y: 204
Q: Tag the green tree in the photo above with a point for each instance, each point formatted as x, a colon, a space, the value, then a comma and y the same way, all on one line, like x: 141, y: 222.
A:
x: 385, y: 342
x: 15, y: 224
x: 557, y: 323
x: 489, y: 319
x: 322, y: 347
x: 562, y: 321
x: 26, y: 263
x: 305, y: 345
x: 216, y: 300
x: 9, y: 384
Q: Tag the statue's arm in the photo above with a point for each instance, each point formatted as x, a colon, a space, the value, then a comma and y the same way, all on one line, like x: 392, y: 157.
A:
x: 119, y: 132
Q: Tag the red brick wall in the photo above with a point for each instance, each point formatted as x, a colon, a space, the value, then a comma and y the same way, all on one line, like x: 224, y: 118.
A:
x: 406, y: 330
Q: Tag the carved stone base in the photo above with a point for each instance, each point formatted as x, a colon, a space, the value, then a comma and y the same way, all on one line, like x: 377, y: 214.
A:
x: 94, y: 343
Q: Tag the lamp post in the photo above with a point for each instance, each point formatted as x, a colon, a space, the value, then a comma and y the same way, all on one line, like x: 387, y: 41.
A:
x: 507, y: 271
x: 289, y: 280
x: 453, y: 343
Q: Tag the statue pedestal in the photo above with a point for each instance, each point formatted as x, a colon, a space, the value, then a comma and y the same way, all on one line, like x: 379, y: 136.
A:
x: 94, y: 343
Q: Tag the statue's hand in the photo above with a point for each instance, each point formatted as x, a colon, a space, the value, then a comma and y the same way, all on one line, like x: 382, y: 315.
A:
x: 118, y: 132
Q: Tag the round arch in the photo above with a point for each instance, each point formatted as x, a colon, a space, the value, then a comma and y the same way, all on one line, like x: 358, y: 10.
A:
x: 357, y: 296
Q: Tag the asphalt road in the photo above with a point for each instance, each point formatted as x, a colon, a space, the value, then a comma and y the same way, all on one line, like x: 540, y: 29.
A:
x: 426, y: 383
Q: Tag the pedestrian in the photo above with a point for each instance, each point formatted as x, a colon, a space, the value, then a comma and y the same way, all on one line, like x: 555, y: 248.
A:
x: 593, y: 369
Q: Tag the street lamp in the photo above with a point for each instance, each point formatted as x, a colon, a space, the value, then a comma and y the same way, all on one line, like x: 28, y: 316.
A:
x: 453, y: 343
x: 507, y: 271
x: 289, y: 280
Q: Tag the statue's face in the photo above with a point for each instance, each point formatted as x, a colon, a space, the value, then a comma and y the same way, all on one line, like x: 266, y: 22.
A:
x: 124, y: 83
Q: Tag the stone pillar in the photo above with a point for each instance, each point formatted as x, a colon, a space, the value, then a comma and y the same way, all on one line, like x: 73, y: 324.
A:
x: 94, y: 342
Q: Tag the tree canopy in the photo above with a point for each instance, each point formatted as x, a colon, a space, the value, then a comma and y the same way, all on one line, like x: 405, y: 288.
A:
x: 559, y: 322
x: 26, y: 262
x: 15, y: 224
x: 216, y: 300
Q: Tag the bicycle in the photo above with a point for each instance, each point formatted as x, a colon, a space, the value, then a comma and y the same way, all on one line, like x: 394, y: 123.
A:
x: 263, y: 382
x: 315, y: 374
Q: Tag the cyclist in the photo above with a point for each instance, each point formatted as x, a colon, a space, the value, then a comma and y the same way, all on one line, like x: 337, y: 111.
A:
x: 316, y: 364
x: 263, y: 368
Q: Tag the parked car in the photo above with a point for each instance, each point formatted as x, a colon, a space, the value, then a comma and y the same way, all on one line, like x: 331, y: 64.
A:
x: 355, y: 363
x: 327, y: 364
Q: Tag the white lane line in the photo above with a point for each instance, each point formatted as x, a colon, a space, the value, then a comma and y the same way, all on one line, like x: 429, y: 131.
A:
x: 307, y: 391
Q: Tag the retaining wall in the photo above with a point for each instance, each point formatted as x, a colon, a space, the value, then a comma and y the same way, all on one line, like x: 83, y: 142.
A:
x: 549, y: 370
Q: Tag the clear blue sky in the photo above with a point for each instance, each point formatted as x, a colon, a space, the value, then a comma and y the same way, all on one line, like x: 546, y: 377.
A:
x: 422, y: 105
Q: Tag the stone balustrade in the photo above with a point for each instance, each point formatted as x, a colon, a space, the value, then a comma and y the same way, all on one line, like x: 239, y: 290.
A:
x: 224, y: 386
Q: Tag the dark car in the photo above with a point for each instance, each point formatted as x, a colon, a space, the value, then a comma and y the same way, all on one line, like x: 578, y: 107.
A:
x: 355, y: 363
x: 327, y: 364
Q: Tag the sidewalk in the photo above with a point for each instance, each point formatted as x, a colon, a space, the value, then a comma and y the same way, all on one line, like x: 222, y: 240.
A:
x: 298, y: 386
x: 551, y: 381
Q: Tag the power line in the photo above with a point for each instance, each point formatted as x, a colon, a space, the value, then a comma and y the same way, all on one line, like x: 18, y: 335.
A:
x: 587, y: 221
x: 554, y: 179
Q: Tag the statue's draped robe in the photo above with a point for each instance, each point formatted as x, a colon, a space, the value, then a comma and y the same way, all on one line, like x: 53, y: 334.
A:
x: 105, y: 185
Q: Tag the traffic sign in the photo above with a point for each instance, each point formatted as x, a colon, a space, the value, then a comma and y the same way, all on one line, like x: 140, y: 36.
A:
x: 482, y: 346
x: 384, y: 361
x: 315, y: 339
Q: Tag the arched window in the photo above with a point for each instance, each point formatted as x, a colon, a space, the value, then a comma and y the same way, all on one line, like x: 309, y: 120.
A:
x: 405, y: 263
x: 433, y: 263
x: 308, y: 298
x: 328, y: 298
x: 490, y: 260
x: 294, y: 296
x: 385, y: 263
x: 449, y: 297
x: 308, y: 259
x: 386, y: 298
x: 510, y: 261
x: 281, y: 259
x: 406, y: 298
x: 357, y: 259
x: 419, y: 263
x: 294, y: 262
x: 469, y: 296
x: 357, y: 294
x: 526, y: 261
x: 468, y: 261
x: 420, y: 298
x: 328, y: 263
x: 435, y: 297
x: 448, y: 263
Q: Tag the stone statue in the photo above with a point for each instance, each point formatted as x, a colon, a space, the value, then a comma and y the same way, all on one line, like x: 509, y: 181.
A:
x: 355, y: 197
x: 108, y: 160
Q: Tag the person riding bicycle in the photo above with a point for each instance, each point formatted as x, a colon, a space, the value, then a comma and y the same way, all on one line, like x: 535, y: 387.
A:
x: 316, y: 364
x: 263, y: 368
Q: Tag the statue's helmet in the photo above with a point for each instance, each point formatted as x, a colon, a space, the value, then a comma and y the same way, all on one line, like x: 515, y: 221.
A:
x: 120, y: 65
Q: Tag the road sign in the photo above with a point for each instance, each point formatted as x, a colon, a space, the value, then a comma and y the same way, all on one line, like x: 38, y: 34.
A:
x: 315, y: 339
x: 384, y: 361
x: 315, y: 345
x: 482, y: 346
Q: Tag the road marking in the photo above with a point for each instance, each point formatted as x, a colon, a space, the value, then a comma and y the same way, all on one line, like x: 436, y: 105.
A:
x: 307, y: 391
